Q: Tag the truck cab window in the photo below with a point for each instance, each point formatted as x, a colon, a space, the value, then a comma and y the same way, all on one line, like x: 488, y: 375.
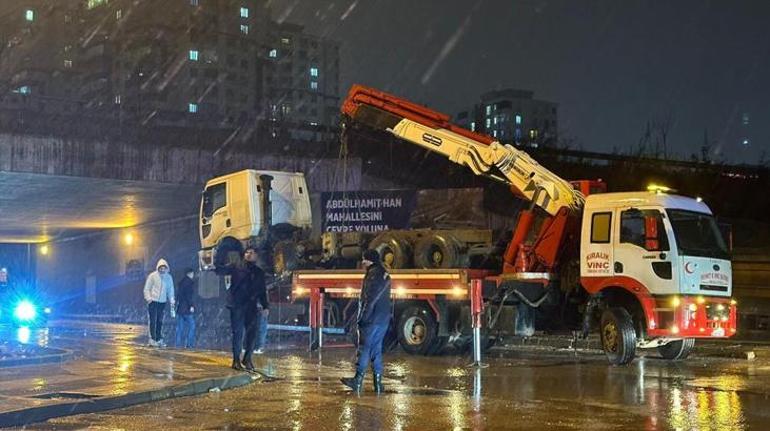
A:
x: 214, y: 198
x: 600, y: 227
x: 633, y: 231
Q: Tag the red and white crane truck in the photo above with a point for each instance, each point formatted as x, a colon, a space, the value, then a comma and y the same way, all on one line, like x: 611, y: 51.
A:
x: 650, y: 269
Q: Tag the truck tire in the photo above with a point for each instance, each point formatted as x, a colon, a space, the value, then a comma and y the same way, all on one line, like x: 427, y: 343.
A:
x: 227, y: 251
x: 417, y: 330
x: 676, y: 350
x: 618, y: 336
x: 437, y: 251
x: 395, y: 252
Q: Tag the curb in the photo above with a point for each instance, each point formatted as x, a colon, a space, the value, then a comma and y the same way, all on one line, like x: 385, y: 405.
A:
x: 94, y: 405
x: 593, y: 346
x: 62, y: 355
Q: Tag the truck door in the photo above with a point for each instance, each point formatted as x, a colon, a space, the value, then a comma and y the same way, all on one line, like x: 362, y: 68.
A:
x: 215, y: 220
x: 596, y: 256
x: 642, y: 251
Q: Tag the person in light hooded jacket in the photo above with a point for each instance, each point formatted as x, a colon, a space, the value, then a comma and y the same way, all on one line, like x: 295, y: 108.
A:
x: 158, y: 289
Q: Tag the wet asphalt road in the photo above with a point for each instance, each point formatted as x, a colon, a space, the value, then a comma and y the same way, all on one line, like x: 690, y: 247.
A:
x: 517, y: 391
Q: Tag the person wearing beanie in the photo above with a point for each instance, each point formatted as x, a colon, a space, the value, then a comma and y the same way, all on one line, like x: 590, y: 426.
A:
x: 249, y: 308
x: 374, y: 313
x: 158, y: 289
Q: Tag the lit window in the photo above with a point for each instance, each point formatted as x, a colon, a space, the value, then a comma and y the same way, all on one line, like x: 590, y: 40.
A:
x: 745, y: 118
x: 244, y: 29
x: 244, y: 12
x: 314, y: 71
x: 68, y: 63
x: 473, y: 126
x: 313, y: 123
x: 273, y: 53
x: 29, y: 15
x: 193, y: 55
x: 285, y: 40
x: 489, y: 109
x: 94, y: 3
x: 192, y: 108
x: 119, y: 14
x: 117, y: 99
x: 495, y: 119
x: 494, y: 133
x: 23, y: 90
x: 518, y: 119
x: 745, y: 142
x: 488, y: 123
x: 314, y: 85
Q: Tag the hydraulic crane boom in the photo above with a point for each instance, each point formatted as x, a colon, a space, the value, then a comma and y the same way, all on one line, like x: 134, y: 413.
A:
x: 481, y: 154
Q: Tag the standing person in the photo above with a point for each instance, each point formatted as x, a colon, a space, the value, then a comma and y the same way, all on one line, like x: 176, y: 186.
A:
x: 185, y: 311
x: 158, y: 289
x: 247, y: 293
x: 374, y: 312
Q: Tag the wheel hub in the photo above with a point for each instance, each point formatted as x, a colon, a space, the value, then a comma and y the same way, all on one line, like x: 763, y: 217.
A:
x: 414, y: 331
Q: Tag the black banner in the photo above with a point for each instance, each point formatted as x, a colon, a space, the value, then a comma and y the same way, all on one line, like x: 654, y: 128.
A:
x: 367, y: 211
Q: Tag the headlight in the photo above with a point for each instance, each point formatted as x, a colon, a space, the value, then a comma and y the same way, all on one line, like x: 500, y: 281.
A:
x: 25, y: 311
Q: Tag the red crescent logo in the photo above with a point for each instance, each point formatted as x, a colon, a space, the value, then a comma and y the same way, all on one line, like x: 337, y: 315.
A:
x: 687, y: 268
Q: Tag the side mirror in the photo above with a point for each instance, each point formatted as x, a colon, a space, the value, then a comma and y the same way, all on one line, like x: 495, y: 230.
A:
x: 651, y: 236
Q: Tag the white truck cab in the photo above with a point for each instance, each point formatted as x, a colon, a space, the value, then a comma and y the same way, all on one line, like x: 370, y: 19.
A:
x: 668, y: 252
x: 232, y: 207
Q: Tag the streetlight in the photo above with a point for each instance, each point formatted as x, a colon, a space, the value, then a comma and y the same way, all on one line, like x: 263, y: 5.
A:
x: 44, y: 250
x: 128, y: 238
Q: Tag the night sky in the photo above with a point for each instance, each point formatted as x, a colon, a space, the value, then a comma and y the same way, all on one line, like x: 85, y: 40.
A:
x: 613, y: 66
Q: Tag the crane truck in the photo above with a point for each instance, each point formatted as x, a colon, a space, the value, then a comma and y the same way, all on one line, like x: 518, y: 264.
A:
x: 648, y: 269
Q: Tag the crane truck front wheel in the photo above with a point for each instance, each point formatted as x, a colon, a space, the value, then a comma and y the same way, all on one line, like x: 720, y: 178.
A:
x: 618, y: 336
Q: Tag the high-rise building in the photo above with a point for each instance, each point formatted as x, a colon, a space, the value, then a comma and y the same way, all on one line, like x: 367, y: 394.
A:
x: 513, y: 116
x: 301, y: 80
x: 203, y: 63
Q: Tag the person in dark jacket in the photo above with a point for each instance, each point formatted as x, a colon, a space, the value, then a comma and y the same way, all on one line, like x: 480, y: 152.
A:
x: 185, y: 310
x: 246, y: 299
x: 374, y: 313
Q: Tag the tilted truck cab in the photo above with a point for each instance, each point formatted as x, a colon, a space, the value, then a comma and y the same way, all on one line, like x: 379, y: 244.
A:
x: 234, y: 208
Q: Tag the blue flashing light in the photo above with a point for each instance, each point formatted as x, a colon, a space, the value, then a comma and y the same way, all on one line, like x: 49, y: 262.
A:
x: 25, y: 311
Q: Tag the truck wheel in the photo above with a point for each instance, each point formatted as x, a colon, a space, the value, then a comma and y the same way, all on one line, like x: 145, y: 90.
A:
x: 436, y: 251
x: 417, y: 330
x: 394, y: 252
x: 618, y: 336
x: 679, y: 349
x: 227, y: 251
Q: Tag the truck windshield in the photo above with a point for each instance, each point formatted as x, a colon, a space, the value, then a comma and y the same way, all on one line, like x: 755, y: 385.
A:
x: 697, y: 234
x: 214, y: 198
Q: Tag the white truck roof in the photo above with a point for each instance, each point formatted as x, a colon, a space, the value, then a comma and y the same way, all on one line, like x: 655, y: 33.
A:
x: 631, y: 199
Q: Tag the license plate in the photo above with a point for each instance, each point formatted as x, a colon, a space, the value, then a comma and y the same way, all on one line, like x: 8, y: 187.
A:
x: 718, y: 332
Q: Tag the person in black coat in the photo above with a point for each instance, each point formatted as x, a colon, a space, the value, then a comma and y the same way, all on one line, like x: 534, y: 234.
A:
x: 246, y: 299
x: 185, y: 310
x: 374, y: 313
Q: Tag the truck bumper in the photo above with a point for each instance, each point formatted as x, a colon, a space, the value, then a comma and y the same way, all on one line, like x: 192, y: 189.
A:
x: 691, y: 317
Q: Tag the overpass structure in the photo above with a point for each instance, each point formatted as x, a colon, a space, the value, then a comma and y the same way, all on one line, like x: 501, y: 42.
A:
x: 53, y: 188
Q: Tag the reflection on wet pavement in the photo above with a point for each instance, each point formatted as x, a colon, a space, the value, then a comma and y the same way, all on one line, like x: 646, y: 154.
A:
x: 517, y: 390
